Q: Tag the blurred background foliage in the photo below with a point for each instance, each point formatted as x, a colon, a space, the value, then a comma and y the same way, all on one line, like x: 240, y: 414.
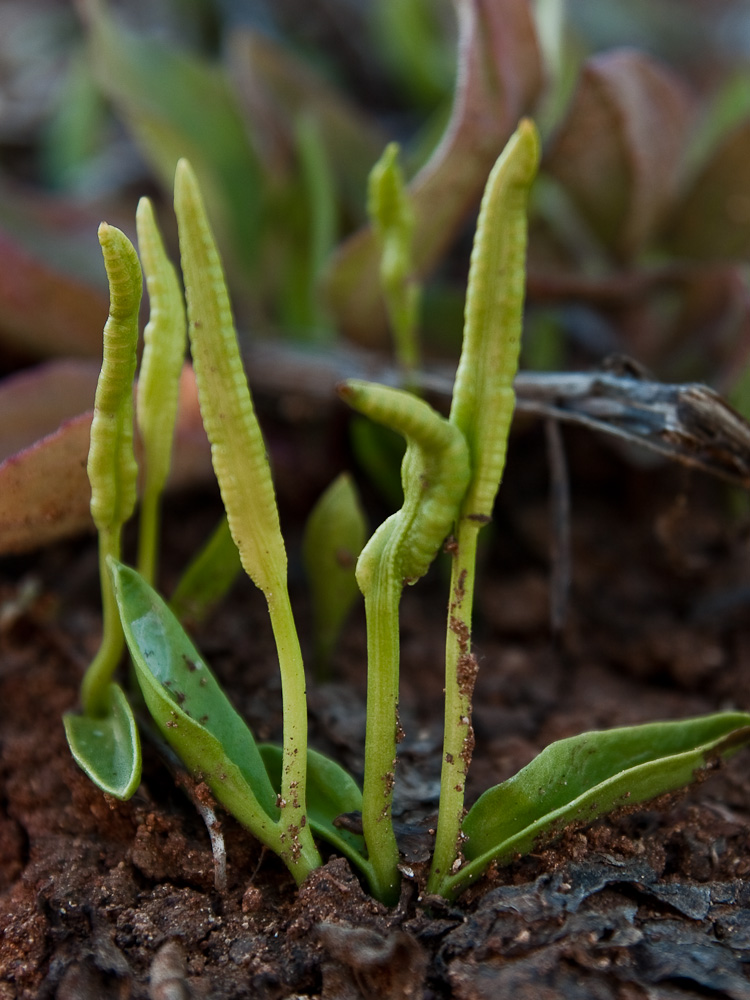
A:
x: 640, y: 229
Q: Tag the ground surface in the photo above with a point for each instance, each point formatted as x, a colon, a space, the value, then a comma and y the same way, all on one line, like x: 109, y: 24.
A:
x: 97, y: 895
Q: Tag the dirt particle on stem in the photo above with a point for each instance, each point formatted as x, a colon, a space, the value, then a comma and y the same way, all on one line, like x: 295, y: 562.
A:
x: 466, y: 674
x: 461, y: 630
x: 467, y: 749
x: 400, y: 732
x: 451, y: 546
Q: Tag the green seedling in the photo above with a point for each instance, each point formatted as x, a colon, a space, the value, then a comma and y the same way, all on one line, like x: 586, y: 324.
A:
x: 104, y: 740
x: 241, y: 467
x: 335, y: 534
x: 482, y: 408
x: 290, y: 795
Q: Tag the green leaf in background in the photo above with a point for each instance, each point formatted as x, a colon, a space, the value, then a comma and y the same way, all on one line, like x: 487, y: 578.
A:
x: 379, y: 451
x: 619, y: 150
x: 576, y: 780
x: 318, y: 190
x: 335, y: 534
x: 178, y: 105
x: 725, y: 110
x: 414, y: 37
x: 74, y: 135
x: 392, y: 217
x: 499, y: 76
x: 107, y: 749
x: 208, y: 577
x: 276, y: 89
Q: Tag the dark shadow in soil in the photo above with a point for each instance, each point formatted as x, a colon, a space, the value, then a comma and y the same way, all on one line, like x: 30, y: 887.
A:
x: 97, y: 895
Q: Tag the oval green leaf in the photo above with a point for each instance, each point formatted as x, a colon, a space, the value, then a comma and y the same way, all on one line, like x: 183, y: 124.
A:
x: 334, y: 537
x: 108, y: 749
x: 190, y: 709
x: 579, y: 779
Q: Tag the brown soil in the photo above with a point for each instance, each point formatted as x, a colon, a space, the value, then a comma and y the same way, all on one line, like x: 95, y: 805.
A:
x: 98, y: 896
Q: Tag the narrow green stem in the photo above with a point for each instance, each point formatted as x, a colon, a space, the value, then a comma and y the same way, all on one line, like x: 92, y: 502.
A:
x: 458, y: 739
x: 300, y: 854
x: 381, y: 607
x: 148, y: 533
x: 99, y: 673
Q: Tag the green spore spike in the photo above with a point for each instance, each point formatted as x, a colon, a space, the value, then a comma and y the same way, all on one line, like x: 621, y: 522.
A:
x: 112, y: 468
x: 104, y: 740
x: 482, y: 408
x: 165, y: 340
x: 241, y: 466
x: 208, y: 577
x: 435, y: 473
x: 232, y: 427
x: 483, y: 397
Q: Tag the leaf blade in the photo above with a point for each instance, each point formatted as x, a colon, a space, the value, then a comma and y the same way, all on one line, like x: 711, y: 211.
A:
x: 107, y: 748
x: 579, y: 779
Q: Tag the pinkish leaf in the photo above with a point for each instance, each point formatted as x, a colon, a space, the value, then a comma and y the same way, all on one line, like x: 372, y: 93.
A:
x: 619, y: 151
x: 44, y: 489
x: 35, y: 402
x: 713, y: 220
x: 43, y: 310
x: 499, y: 76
